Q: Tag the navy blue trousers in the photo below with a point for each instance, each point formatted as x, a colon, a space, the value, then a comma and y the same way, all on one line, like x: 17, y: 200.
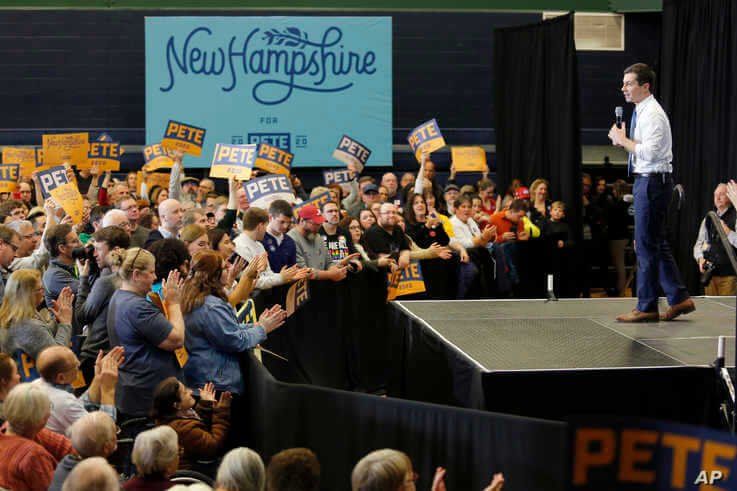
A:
x: 655, y: 264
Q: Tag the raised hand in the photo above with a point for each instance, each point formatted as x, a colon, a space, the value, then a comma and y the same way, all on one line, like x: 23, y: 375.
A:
x: 207, y: 393
x: 257, y: 266
x: 497, y: 483
x: 438, y: 481
x: 225, y: 399
x: 272, y: 318
x: 62, y: 306
x: 171, y: 287
x: 235, y: 270
x: 83, y: 267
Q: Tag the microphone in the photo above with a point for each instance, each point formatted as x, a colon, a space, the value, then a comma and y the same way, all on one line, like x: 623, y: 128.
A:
x: 618, y: 114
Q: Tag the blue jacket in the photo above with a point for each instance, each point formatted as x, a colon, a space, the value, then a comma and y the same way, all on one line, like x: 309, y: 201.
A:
x: 280, y: 255
x: 213, y: 340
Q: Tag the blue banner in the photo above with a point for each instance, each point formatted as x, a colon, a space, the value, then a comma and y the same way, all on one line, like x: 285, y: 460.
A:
x: 610, y: 453
x: 298, y: 83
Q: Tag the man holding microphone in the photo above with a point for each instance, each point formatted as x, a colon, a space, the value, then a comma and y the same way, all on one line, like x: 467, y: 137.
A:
x: 649, y: 145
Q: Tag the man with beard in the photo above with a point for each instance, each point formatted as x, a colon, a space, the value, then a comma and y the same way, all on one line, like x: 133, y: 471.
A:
x: 311, y: 250
x: 385, y: 238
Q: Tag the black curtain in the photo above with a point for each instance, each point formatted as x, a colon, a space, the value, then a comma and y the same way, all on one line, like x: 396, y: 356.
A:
x: 537, y: 109
x: 699, y: 93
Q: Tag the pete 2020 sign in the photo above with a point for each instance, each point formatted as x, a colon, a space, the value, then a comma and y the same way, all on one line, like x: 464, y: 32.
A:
x: 297, y: 83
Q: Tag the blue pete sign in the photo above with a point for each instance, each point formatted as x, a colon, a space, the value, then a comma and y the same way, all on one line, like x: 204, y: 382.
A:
x: 298, y: 83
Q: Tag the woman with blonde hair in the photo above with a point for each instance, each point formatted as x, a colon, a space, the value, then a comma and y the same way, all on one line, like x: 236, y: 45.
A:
x: 214, y: 335
x: 195, y: 237
x: 539, y: 194
x: 25, y: 328
x: 149, y: 337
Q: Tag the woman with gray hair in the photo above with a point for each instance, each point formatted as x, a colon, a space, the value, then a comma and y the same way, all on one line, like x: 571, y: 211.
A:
x: 156, y: 457
x: 383, y: 470
x: 241, y: 470
x: 28, y: 452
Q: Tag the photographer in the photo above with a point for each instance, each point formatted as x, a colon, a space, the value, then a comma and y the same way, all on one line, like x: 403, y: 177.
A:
x: 718, y: 277
x: 93, y: 297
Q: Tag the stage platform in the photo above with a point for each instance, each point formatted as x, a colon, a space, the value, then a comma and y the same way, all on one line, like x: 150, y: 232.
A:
x: 555, y: 359
x: 508, y: 335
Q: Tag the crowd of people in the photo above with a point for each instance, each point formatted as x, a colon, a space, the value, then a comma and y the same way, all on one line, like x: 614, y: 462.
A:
x: 123, y: 326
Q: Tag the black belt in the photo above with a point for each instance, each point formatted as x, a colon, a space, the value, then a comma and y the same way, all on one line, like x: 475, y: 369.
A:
x: 650, y: 174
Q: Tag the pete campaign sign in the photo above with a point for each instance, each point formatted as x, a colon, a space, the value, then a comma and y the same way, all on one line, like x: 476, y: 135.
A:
x: 233, y: 161
x: 317, y: 201
x: 52, y: 178
x: 336, y: 176
x: 157, y: 157
x: 426, y: 138
x: 296, y: 83
x: 351, y: 151
x: 184, y: 138
x: 9, y: 177
x: 24, y: 157
x: 263, y: 190
x: 273, y: 159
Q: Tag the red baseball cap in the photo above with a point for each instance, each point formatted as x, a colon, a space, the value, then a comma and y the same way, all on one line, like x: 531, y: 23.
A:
x: 522, y: 193
x: 311, y: 212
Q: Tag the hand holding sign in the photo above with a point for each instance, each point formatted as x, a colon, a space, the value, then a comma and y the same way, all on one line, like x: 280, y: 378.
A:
x: 184, y: 138
x: 426, y: 138
x: 468, y: 159
x: 233, y: 161
x: 352, y: 152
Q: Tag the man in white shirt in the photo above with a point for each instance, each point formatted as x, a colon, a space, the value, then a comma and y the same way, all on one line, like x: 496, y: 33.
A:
x: 650, y: 154
x: 248, y: 245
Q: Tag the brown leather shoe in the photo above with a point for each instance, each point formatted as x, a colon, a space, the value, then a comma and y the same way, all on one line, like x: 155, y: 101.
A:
x: 637, y: 316
x: 682, y: 308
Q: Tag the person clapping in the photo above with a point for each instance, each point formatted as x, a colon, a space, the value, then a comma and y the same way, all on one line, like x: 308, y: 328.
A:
x: 214, y: 335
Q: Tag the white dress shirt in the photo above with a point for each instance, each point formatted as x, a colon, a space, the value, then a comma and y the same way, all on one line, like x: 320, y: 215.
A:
x: 465, y: 232
x: 248, y: 248
x: 654, y: 148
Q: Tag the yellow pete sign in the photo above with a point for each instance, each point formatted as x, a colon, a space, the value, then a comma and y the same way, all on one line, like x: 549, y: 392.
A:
x: 67, y: 196
x: 9, y: 178
x: 469, y: 159
x: 24, y: 157
x: 426, y: 138
x: 233, y: 161
x: 105, y: 155
x: 184, y: 138
x: 406, y: 281
x: 180, y: 353
x: 69, y: 148
x: 157, y: 157
x: 273, y: 159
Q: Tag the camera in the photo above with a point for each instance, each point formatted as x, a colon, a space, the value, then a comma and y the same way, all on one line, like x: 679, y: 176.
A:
x: 708, y: 273
x: 86, y: 253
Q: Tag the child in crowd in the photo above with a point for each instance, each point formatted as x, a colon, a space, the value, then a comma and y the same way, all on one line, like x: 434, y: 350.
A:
x: 555, y: 229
